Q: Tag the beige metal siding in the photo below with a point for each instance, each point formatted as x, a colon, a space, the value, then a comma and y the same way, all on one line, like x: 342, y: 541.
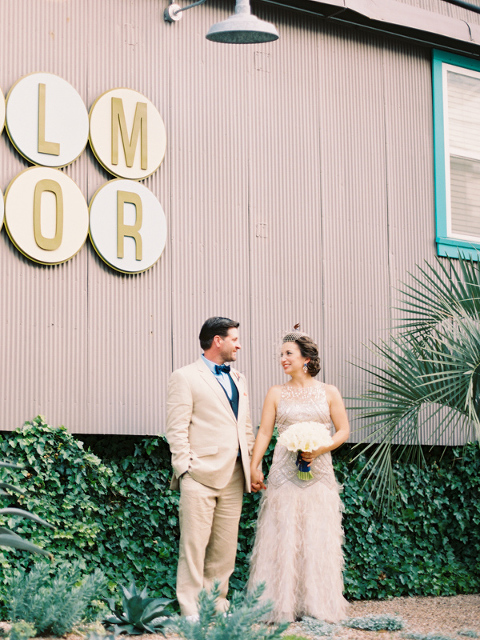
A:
x: 297, y: 185
x: 284, y: 198
x: 128, y: 349
x: 354, y: 193
x: 446, y: 9
x: 208, y: 193
x: 43, y: 310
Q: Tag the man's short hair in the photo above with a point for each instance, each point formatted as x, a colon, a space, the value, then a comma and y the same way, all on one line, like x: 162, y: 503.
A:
x: 215, y: 326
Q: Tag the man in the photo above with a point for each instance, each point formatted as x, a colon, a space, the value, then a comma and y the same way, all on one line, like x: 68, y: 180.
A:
x: 211, y: 440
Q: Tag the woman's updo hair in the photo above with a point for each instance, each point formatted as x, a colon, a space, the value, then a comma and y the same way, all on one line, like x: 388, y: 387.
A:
x: 308, y: 349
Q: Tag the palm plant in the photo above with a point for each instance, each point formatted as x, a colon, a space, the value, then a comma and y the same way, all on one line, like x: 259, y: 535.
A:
x: 430, y: 369
x: 9, y: 538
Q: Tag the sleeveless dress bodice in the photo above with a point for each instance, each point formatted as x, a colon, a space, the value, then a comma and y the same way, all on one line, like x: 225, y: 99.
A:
x: 307, y: 404
x: 302, y: 404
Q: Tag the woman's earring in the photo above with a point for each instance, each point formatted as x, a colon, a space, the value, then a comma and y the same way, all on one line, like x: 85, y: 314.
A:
x: 305, y: 368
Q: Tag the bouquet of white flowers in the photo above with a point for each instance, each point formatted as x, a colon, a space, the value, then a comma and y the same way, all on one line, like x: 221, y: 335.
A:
x: 305, y: 436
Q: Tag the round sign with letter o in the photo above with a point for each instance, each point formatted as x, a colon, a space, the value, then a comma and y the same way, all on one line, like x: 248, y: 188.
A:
x: 46, y: 215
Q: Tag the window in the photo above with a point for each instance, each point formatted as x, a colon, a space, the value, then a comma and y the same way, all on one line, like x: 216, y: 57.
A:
x: 456, y: 109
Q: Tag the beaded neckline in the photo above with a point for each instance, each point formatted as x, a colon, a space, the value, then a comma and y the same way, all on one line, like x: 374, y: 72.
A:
x: 289, y: 391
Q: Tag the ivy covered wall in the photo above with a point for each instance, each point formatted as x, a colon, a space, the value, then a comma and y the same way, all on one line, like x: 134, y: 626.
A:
x: 109, y: 500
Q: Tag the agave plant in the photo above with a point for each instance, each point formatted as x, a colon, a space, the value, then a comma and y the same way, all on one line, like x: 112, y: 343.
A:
x: 139, y: 614
x: 430, y: 370
x: 9, y: 538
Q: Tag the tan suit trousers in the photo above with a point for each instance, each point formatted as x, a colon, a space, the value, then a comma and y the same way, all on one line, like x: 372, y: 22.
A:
x: 209, y: 520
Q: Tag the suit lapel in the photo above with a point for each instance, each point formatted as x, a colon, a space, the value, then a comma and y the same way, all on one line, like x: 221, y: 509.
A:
x: 235, y: 376
x: 209, y: 378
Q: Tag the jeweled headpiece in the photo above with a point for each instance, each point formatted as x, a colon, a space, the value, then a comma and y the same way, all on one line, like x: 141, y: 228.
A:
x: 291, y: 336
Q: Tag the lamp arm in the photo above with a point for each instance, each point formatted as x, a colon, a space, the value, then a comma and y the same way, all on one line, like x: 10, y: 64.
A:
x: 194, y: 4
x: 173, y: 11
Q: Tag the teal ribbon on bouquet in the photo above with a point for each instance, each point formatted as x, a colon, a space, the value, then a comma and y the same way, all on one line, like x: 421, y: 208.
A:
x: 303, y: 472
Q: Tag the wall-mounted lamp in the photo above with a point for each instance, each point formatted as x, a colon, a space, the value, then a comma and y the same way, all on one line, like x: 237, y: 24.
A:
x: 240, y: 28
x: 173, y: 12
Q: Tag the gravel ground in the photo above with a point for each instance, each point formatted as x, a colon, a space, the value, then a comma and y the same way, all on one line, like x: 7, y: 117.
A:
x: 436, y: 616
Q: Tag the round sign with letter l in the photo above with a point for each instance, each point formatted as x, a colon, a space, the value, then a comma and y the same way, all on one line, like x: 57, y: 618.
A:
x: 47, y: 120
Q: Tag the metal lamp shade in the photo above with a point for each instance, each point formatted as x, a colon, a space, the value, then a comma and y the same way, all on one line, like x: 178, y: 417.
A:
x: 242, y: 28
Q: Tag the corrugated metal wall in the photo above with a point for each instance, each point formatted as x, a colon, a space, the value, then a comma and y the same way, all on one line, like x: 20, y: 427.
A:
x: 445, y: 8
x: 297, y: 184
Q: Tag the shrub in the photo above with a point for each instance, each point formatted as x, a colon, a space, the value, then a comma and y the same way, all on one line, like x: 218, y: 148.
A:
x: 53, y: 599
x: 243, y: 620
x: 382, y: 622
x: 22, y: 630
x: 9, y: 538
x: 317, y: 627
x: 428, y: 636
x: 117, y: 513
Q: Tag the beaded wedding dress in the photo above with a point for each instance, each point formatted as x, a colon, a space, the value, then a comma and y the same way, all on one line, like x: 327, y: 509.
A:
x: 297, y: 550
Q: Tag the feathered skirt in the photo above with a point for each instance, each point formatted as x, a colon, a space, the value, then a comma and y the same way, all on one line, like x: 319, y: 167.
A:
x: 298, y: 549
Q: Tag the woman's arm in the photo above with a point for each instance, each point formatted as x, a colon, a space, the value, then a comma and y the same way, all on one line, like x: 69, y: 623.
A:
x: 339, y: 418
x: 264, y: 436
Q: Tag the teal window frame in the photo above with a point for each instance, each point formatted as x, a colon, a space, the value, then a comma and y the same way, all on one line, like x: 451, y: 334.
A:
x: 446, y: 244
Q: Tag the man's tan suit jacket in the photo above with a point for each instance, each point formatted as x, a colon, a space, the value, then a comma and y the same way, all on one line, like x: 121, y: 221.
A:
x: 202, y: 431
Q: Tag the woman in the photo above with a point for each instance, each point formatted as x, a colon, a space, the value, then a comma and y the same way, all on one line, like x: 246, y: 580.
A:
x: 297, y: 550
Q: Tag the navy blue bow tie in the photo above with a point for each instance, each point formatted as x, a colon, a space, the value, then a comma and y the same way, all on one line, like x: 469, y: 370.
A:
x: 222, y: 368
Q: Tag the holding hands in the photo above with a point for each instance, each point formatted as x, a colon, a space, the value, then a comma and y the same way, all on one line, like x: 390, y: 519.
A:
x: 257, y: 479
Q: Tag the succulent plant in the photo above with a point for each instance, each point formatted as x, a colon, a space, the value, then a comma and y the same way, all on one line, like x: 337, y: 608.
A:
x: 9, y: 538
x: 138, y: 614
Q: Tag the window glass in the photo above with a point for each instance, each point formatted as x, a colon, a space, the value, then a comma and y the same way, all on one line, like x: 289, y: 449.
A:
x: 456, y: 91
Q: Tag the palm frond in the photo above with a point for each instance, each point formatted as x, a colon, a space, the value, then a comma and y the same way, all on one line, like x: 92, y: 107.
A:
x: 440, y: 293
x: 430, y: 370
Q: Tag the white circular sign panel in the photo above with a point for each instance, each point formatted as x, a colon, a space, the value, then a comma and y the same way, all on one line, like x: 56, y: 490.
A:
x: 2, y: 111
x: 46, y: 215
x: 126, y: 219
x: 47, y: 120
x: 127, y: 134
